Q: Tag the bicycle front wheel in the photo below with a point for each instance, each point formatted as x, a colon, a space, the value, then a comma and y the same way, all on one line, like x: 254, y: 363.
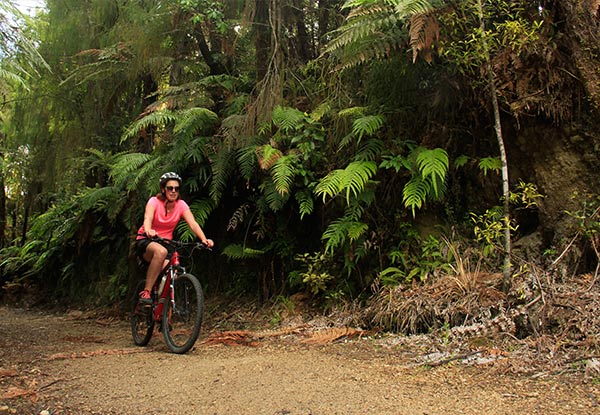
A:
x: 182, y: 319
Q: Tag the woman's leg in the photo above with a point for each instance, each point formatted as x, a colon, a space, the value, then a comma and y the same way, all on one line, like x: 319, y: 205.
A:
x: 156, y: 256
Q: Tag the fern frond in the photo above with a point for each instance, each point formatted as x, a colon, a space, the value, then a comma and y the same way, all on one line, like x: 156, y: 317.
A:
x: 341, y: 229
x: 237, y: 252
x: 352, y: 112
x: 433, y: 165
x: 283, y: 172
x: 424, y: 32
x: 238, y: 217
x: 126, y: 164
x: 274, y: 199
x: 267, y: 156
x: 192, y: 120
x: 305, y: 202
x: 352, y: 179
x: 415, y: 193
x: 156, y: 119
x: 247, y: 162
x: 222, y: 168
x: 367, y: 125
x: 288, y: 119
x: 12, y: 77
x: 356, y: 175
x: 370, y: 150
x: 490, y: 163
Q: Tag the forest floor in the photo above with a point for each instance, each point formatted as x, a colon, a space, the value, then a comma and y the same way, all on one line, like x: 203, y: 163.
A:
x: 84, y: 362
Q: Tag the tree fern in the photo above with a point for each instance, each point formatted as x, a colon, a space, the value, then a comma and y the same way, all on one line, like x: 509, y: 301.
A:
x: 192, y: 120
x: 126, y: 164
x: 222, y: 168
x: 159, y: 119
x: 201, y: 209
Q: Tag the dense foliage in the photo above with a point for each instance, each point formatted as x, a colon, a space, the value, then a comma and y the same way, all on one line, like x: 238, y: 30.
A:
x: 334, y: 147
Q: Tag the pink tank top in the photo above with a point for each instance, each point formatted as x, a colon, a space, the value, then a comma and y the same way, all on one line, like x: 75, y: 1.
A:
x: 164, y: 223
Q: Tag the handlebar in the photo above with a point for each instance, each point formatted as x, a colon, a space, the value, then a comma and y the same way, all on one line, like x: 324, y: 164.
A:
x: 178, y: 244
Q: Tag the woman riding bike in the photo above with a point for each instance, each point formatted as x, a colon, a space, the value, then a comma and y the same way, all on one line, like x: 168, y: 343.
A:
x: 161, y: 216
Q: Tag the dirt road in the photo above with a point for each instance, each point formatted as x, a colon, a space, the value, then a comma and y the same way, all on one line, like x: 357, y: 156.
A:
x: 78, y: 364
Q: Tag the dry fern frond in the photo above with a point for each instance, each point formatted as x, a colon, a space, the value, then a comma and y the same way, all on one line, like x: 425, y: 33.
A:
x: 232, y: 338
x: 424, y: 32
x: 332, y: 334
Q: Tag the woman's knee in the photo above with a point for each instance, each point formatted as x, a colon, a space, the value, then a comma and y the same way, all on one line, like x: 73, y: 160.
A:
x: 156, y: 252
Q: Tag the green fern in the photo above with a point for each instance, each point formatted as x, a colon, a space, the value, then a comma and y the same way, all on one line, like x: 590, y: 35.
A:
x: 274, y: 199
x: 415, y: 193
x: 222, y: 168
x: 125, y: 165
x: 155, y: 119
x: 192, y: 120
x: 433, y: 165
x: 237, y: 252
x: 283, y: 173
x: 341, y: 230
x: 370, y: 150
x: 247, y: 162
x: 288, y: 119
x: 367, y: 125
x: 490, y: 164
x: 305, y: 202
x: 351, y: 180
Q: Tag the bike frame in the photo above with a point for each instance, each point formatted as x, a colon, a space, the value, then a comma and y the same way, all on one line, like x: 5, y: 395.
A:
x: 167, y: 293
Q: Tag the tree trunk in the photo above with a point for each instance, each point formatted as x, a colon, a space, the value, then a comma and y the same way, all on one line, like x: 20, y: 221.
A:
x: 2, y: 204
x: 507, y: 269
x: 262, y: 41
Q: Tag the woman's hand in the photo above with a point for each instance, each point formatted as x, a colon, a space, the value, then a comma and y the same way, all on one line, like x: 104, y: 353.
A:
x: 208, y: 242
x: 151, y: 233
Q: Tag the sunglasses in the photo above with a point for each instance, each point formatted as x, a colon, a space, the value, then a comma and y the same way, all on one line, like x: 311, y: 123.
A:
x: 172, y: 188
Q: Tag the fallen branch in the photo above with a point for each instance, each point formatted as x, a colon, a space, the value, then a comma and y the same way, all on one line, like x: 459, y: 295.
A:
x: 452, y: 359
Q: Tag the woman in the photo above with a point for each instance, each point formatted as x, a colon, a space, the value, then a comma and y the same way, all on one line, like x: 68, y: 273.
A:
x: 161, y: 216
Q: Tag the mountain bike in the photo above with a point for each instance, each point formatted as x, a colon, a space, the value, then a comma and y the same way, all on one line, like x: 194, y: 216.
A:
x: 177, y: 303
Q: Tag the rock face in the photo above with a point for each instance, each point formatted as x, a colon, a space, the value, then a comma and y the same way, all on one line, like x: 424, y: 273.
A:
x: 564, y: 164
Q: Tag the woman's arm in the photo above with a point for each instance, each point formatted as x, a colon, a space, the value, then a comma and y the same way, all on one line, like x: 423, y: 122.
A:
x: 195, y: 227
x: 148, y: 218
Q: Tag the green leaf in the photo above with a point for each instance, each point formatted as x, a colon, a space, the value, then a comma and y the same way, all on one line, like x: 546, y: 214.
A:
x: 433, y: 165
x: 415, y: 193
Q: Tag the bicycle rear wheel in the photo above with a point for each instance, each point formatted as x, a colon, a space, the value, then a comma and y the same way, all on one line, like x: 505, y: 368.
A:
x: 184, y: 317
x: 142, y: 321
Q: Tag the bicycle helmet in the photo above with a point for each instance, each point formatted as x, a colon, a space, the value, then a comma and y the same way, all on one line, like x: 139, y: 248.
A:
x: 169, y: 176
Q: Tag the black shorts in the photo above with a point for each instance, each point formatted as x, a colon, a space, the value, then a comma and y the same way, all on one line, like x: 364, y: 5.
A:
x: 142, y: 244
